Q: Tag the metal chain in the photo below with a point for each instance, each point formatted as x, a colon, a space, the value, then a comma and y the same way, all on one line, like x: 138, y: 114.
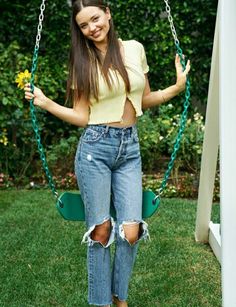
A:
x: 186, y: 106
x: 32, y: 108
x: 40, y: 25
x: 168, y: 11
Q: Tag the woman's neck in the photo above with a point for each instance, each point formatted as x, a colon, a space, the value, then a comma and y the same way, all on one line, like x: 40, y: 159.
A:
x: 102, y: 47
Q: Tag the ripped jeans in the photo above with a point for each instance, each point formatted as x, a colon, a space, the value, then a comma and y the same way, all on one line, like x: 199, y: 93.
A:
x: 108, y: 166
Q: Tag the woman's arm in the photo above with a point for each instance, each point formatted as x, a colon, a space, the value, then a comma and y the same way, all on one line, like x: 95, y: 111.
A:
x: 151, y: 99
x: 78, y: 115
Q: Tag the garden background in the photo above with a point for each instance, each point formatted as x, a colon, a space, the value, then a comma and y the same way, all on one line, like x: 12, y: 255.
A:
x: 145, y: 21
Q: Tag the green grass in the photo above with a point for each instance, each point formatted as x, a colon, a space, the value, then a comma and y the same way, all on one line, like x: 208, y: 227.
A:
x: 42, y: 262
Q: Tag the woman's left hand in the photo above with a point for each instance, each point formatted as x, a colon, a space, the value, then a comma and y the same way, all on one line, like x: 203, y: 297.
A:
x: 181, y: 76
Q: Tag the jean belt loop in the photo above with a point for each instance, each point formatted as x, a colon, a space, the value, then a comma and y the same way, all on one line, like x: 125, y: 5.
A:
x: 107, y: 129
x: 124, y: 131
x: 133, y: 130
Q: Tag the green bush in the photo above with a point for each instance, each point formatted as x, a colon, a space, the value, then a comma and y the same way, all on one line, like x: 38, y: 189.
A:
x: 56, y: 156
x: 15, y: 133
x: 158, y: 134
x: 149, y: 141
x: 17, y: 142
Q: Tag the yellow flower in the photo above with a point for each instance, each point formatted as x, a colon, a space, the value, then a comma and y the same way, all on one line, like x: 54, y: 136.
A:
x: 23, y: 78
x: 3, y: 137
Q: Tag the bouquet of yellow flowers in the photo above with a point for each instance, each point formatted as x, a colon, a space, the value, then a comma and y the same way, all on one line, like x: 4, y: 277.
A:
x: 22, y: 78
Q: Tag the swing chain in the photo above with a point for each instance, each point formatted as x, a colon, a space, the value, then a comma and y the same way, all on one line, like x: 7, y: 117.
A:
x: 185, y: 111
x: 32, y: 107
x: 170, y: 18
x: 40, y: 25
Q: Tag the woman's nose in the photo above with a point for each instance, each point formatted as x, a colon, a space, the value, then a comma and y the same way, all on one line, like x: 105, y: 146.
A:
x: 92, y: 27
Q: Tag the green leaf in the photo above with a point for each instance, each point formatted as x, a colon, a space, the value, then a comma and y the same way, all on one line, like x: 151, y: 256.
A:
x: 5, y: 101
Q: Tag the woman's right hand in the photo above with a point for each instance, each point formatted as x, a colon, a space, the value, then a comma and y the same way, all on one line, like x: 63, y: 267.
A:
x: 40, y: 99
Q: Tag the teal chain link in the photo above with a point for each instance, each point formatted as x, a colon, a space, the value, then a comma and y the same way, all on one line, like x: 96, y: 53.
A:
x: 32, y: 108
x: 182, y: 121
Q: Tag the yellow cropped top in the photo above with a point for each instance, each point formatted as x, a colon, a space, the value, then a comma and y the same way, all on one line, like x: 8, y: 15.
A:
x: 110, y: 105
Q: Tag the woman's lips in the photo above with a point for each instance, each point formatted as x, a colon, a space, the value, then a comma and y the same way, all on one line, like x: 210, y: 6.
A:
x: 96, y: 34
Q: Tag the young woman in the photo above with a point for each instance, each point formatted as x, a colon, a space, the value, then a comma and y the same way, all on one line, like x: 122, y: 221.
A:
x: 109, y: 87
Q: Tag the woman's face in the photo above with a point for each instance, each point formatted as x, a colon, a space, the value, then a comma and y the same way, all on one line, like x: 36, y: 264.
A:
x: 94, y: 23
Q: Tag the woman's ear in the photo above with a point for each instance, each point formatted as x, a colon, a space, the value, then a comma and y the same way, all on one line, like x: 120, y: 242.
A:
x: 108, y: 13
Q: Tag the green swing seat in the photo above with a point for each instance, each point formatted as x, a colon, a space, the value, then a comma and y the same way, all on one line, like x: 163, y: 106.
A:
x: 71, y: 206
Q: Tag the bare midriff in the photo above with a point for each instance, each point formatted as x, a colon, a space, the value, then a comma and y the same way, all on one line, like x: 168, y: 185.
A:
x: 128, y: 118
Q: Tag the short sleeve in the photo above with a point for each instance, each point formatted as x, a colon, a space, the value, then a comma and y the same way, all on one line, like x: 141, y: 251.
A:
x: 145, y: 66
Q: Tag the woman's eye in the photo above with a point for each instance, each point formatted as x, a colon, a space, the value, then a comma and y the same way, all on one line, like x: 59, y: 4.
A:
x: 95, y: 18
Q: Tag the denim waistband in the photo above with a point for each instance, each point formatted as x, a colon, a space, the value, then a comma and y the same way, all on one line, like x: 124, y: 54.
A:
x: 128, y: 131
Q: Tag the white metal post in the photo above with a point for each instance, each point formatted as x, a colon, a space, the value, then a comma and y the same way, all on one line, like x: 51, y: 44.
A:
x: 228, y: 148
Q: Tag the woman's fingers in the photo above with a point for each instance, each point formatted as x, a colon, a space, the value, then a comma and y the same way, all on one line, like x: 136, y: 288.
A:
x: 39, y: 98
x: 179, y: 65
x: 178, y: 57
x: 181, y: 75
x: 27, y: 87
x: 28, y: 94
x: 187, y: 69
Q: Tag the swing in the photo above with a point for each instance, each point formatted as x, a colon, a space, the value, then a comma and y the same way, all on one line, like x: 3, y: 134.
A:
x: 70, y: 205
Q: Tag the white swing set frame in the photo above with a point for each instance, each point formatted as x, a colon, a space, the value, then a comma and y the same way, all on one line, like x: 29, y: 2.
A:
x: 220, y: 137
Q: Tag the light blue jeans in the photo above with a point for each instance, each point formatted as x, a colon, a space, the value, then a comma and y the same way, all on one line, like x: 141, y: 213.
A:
x: 108, y: 167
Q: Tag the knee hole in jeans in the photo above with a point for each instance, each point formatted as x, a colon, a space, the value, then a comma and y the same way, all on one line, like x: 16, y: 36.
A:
x: 132, y: 231
x: 101, y: 233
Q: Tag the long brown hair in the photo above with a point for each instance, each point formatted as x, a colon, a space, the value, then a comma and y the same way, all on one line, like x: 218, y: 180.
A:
x: 85, y: 58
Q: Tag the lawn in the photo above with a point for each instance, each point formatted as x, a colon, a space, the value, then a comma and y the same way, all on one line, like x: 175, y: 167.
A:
x: 42, y: 262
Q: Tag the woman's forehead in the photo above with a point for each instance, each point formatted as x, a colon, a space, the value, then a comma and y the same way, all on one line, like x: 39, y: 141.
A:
x: 87, y: 13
